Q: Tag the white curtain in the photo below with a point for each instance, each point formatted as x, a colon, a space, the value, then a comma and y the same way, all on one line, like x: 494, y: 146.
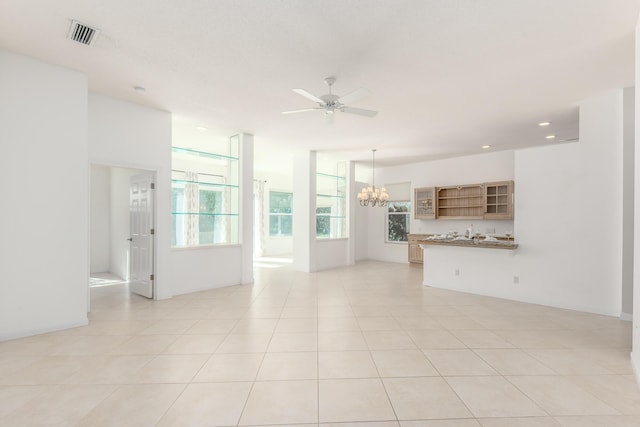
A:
x: 192, y: 205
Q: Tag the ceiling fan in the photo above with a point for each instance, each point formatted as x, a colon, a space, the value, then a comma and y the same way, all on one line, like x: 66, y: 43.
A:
x: 331, y: 103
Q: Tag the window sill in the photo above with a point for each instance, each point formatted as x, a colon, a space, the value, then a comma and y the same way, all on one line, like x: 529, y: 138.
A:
x: 203, y: 247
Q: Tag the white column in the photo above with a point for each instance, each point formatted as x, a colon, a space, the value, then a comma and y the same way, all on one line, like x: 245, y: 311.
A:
x: 352, y: 192
x: 635, y: 354
x: 246, y: 206
x: 628, y: 201
x: 304, y: 211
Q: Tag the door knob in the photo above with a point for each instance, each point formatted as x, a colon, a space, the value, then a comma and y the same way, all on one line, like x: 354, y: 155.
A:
x: 130, y: 239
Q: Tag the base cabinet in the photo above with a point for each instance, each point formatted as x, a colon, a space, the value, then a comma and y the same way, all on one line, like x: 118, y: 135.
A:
x: 415, y: 251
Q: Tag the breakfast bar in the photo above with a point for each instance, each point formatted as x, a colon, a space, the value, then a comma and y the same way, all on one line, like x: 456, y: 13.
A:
x: 481, y: 265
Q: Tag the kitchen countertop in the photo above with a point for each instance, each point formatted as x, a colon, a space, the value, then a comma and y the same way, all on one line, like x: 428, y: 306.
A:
x: 491, y: 244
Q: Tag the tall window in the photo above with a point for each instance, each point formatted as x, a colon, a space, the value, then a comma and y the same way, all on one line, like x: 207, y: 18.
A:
x: 210, y: 201
x: 331, y: 200
x: 398, y: 215
x: 323, y: 221
x: 398, y: 221
x: 280, y: 214
x: 205, y: 193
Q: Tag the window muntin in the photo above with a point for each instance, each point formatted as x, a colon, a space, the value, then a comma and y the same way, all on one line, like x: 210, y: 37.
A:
x: 280, y: 214
x: 398, y: 221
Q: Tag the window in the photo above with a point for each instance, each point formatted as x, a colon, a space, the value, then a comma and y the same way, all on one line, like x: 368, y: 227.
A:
x: 398, y: 221
x: 331, y: 200
x: 205, y: 193
x: 280, y: 214
x: 398, y: 214
x: 323, y: 221
x: 209, y: 224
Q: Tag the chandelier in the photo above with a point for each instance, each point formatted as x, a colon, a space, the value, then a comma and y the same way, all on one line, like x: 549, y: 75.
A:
x: 372, y: 196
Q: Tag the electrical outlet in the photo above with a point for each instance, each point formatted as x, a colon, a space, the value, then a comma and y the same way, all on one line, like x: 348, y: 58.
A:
x: 456, y: 272
x: 516, y: 279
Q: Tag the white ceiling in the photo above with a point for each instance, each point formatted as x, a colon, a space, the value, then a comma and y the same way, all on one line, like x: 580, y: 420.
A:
x: 447, y: 76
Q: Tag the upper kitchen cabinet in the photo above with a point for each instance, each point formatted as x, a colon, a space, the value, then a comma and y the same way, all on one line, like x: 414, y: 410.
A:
x: 498, y: 200
x: 424, y: 206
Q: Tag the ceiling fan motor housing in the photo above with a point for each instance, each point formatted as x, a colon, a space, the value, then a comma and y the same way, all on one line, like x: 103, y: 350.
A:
x: 329, y: 102
x: 329, y: 99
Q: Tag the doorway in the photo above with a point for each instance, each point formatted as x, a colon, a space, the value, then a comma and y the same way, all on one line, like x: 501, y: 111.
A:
x: 110, y: 218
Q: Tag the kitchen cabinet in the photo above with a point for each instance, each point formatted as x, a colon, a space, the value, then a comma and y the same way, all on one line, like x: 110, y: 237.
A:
x: 415, y: 251
x: 498, y: 200
x: 424, y: 206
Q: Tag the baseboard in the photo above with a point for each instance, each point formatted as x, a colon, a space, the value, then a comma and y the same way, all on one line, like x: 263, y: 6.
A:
x: 626, y: 317
x: 635, y: 365
x: 37, y: 331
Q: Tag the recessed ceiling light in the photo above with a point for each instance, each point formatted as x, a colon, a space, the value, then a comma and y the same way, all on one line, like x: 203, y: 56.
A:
x: 486, y: 146
x: 139, y: 89
x: 201, y: 128
x: 550, y: 136
x: 544, y: 124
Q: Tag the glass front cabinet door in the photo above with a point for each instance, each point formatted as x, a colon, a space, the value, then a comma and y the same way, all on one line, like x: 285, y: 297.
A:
x: 424, y: 203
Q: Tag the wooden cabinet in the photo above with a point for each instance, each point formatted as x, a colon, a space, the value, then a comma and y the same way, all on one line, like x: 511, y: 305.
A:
x: 498, y: 200
x: 492, y: 200
x: 415, y: 251
x: 424, y: 206
x: 461, y: 202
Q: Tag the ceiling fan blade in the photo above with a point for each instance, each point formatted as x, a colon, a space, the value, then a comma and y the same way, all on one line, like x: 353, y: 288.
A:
x: 360, y: 111
x: 354, y: 96
x: 309, y: 96
x: 303, y: 110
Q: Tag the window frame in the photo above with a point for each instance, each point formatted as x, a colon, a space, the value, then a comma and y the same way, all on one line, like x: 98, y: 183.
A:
x: 279, y: 215
x: 406, y: 214
x: 326, y: 217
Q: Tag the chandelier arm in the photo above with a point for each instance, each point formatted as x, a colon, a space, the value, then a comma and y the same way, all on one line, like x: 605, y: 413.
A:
x: 372, y: 196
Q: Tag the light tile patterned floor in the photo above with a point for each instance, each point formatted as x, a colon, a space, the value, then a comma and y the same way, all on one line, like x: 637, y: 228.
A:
x: 361, y: 346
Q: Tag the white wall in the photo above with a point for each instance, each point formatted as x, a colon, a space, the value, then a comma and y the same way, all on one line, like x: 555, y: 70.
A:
x: 361, y: 224
x: 568, y: 223
x: 131, y: 136
x: 45, y: 220
x: 100, y: 218
x: 331, y: 253
x: 304, y: 208
x: 486, y: 167
x: 246, y: 209
x: 569, y: 214
x: 205, y: 267
x: 635, y: 354
x: 628, y: 201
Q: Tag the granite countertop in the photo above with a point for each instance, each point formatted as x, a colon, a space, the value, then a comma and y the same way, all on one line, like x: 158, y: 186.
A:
x: 477, y: 243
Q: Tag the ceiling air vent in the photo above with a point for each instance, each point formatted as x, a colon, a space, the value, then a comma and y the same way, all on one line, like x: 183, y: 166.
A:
x: 82, y: 33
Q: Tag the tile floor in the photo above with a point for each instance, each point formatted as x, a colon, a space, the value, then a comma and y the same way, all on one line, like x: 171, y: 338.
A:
x: 365, y: 345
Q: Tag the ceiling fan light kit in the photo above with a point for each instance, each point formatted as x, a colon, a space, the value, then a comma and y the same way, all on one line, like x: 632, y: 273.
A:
x: 330, y: 103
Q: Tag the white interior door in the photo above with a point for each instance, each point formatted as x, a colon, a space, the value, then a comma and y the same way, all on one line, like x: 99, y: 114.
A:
x: 142, y: 233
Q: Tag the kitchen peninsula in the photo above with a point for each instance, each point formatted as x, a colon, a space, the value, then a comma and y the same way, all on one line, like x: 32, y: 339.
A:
x: 480, y: 265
